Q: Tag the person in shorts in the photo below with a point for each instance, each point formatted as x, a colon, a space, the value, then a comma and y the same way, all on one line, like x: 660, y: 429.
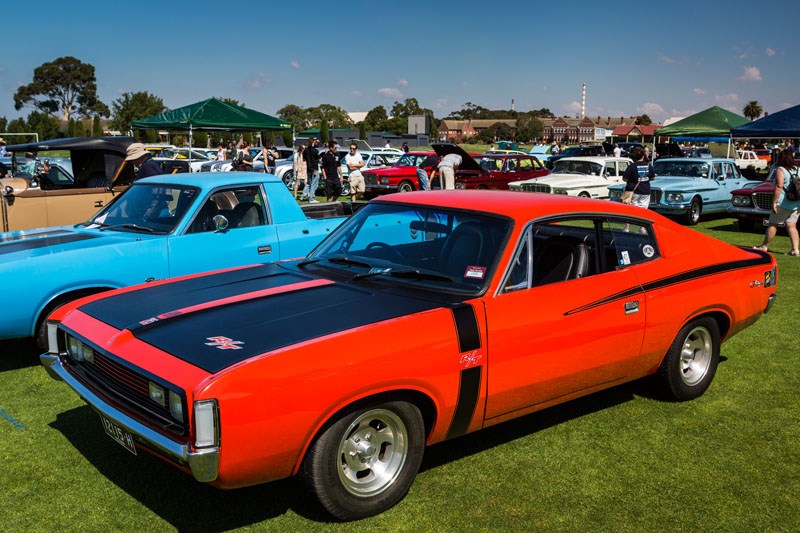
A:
x: 354, y: 162
x: 332, y: 172
x: 638, y: 177
x: 784, y: 211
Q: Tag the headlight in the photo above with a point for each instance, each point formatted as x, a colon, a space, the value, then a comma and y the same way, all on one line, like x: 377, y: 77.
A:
x: 461, y: 185
x: 741, y: 200
x: 77, y: 350
x: 176, y: 406
x: 559, y: 191
x: 384, y: 180
x: 206, y: 423
x: 157, y: 394
x: 615, y: 195
x: 514, y: 188
x: 674, y: 197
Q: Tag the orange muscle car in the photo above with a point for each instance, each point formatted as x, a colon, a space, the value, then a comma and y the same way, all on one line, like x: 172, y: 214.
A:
x: 423, y: 317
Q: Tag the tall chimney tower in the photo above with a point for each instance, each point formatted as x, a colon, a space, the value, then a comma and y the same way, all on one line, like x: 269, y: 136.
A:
x: 512, y: 104
x: 583, y: 101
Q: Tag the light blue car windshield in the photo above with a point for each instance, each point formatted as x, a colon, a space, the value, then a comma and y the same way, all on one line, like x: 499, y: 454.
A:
x: 684, y: 169
x: 146, y: 208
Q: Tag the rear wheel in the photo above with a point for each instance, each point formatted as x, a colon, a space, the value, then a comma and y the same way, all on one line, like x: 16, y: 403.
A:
x: 288, y: 178
x: 692, y: 359
x: 584, y: 194
x: 365, y: 462
x: 346, y: 188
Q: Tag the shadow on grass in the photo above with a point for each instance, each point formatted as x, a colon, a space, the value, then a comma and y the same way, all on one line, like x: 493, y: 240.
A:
x: 174, y: 496
x: 18, y: 353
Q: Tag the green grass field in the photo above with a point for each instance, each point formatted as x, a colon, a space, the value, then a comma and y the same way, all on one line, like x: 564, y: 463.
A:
x: 620, y: 460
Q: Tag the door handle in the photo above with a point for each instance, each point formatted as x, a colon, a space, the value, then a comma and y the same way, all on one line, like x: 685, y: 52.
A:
x: 264, y: 249
x: 631, y: 307
x: 98, y: 203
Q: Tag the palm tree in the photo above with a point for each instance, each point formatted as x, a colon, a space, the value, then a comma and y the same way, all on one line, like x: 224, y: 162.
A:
x: 752, y: 110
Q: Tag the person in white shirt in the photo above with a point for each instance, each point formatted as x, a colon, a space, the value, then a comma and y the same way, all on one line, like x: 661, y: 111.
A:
x: 617, y: 151
x: 354, y: 162
x: 447, y: 170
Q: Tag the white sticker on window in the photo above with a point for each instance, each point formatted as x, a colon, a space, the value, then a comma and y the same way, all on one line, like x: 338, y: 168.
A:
x: 475, y: 272
x: 648, y: 251
x: 626, y: 258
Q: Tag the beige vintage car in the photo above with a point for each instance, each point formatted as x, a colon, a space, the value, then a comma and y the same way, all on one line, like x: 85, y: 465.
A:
x: 35, y: 197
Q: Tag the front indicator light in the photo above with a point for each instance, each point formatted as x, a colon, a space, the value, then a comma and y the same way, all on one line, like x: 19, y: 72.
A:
x: 206, y: 423
x: 52, y: 337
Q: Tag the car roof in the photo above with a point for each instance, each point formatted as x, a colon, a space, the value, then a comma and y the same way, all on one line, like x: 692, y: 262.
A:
x: 521, y: 206
x: 211, y: 180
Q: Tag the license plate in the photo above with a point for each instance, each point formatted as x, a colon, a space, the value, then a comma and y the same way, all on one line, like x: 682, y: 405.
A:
x: 119, y: 434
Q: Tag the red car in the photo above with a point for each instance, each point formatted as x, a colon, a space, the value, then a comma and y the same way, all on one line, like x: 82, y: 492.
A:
x: 490, y: 171
x: 400, y: 177
x: 423, y: 317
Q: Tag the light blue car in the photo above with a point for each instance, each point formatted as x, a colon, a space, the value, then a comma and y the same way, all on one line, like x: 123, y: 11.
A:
x: 690, y: 187
x: 161, y: 227
x: 543, y: 152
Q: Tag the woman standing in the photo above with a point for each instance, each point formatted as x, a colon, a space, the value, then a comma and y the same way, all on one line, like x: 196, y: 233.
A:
x: 784, y: 211
x: 300, y: 169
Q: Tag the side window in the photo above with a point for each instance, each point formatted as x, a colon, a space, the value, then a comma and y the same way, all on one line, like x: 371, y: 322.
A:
x: 718, y: 175
x: 622, y: 166
x: 519, y: 274
x: 626, y: 243
x: 242, y: 207
x: 511, y: 165
x: 525, y: 165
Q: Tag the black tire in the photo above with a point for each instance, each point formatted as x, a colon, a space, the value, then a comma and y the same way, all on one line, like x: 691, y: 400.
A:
x: 41, y: 325
x: 288, y: 179
x: 346, y: 188
x: 692, y: 359
x: 338, y: 467
x: 746, y: 224
x: 405, y: 186
x: 692, y: 216
x: 584, y: 194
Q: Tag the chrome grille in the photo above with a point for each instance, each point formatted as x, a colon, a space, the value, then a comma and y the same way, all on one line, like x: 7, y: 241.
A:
x: 536, y: 187
x: 763, y: 200
x: 370, y: 178
x: 655, y: 196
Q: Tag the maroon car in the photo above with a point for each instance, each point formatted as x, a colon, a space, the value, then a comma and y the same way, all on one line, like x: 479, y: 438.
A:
x: 491, y: 171
x: 400, y: 177
x: 752, y: 206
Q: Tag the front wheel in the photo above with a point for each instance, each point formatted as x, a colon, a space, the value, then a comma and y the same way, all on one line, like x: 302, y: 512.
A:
x: 692, y: 359
x: 405, y: 187
x: 346, y: 188
x: 692, y: 217
x: 365, y: 462
x: 288, y: 179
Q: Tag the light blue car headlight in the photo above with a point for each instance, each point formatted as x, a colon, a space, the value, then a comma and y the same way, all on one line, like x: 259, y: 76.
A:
x: 675, y: 197
x: 615, y: 195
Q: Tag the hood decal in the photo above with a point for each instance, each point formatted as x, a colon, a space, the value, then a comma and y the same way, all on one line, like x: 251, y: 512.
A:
x: 41, y: 240
x: 261, y: 308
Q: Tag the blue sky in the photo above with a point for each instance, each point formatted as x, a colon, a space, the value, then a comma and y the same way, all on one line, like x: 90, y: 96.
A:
x: 665, y: 59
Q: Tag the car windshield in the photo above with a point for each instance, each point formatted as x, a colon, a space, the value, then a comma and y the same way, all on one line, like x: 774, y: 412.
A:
x: 577, y: 167
x: 146, y: 208
x: 408, y: 160
x: 430, y: 247
x: 690, y: 169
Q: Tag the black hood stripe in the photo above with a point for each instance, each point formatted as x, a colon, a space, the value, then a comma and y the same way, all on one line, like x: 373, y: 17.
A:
x: 689, y: 275
x: 213, y: 337
x: 35, y: 241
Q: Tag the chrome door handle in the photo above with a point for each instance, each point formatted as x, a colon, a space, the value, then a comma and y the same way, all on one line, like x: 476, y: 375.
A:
x: 631, y: 307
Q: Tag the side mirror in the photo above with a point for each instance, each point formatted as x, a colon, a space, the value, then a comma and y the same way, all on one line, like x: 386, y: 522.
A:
x: 220, y: 224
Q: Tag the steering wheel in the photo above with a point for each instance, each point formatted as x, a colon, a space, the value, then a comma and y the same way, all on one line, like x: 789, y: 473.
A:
x: 394, y: 251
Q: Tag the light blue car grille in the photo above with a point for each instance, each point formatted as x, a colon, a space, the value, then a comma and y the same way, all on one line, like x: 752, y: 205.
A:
x: 655, y: 197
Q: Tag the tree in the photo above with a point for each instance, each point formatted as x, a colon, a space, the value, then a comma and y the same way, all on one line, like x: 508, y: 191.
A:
x: 97, y: 127
x: 324, y: 133
x: 134, y: 106
x: 529, y: 127
x: 45, y: 125
x: 3, y: 123
x: 376, y: 119
x: 294, y: 114
x: 336, y: 117
x: 66, y: 87
x: 362, y: 131
x: 752, y: 110
x: 643, y: 120
x: 497, y: 131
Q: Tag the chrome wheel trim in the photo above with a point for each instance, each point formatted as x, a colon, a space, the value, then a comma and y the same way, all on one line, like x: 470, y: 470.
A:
x: 372, y: 452
x: 696, y: 354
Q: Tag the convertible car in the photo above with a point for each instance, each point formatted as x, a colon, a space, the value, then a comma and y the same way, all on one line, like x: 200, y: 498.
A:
x: 423, y: 317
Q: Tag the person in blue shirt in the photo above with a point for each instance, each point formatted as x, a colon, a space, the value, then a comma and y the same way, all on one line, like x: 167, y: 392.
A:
x: 638, y: 177
x: 143, y: 160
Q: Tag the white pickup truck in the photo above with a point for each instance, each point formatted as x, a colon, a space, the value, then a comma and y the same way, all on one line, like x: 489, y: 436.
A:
x: 746, y: 158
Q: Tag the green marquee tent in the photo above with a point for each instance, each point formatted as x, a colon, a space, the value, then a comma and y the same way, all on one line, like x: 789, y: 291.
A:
x: 212, y: 114
x: 713, y: 122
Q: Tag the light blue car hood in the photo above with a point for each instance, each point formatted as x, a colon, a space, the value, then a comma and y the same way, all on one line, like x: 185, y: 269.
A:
x: 677, y: 183
x: 46, y: 241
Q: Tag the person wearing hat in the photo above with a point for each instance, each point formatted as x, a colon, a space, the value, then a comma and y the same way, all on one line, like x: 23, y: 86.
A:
x: 3, y: 152
x: 143, y: 161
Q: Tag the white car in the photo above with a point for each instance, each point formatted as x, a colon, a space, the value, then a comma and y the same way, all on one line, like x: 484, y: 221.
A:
x: 748, y: 158
x: 587, y: 176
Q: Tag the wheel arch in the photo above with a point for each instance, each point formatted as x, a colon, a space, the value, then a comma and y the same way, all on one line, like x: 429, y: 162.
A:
x: 62, y: 298
x: 422, y: 401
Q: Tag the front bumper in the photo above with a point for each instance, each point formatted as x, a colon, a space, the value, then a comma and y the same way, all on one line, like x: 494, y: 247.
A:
x: 671, y: 209
x: 204, y: 464
x: 748, y: 212
x: 381, y: 188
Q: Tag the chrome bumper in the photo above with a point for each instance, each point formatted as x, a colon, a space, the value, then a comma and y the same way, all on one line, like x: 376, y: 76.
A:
x: 204, y: 463
x: 751, y: 211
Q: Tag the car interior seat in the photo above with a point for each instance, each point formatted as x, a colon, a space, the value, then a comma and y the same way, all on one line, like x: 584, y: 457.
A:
x: 463, y: 247
x: 247, y: 215
x: 204, y: 221
x: 560, y: 259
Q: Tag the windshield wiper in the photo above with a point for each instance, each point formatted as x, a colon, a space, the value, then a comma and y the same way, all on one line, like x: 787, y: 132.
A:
x: 305, y: 262
x: 128, y: 225
x: 405, y: 273
x: 342, y: 260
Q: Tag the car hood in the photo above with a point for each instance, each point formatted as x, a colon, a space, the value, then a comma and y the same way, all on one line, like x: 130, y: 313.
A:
x: 678, y: 183
x: 221, y: 319
x: 403, y: 170
x: 47, y: 241
x: 567, y: 180
x: 467, y: 162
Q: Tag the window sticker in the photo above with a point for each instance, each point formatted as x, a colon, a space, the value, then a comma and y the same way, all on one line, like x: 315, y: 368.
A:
x: 475, y: 272
x: 626, y: 258
x: 648, y: 250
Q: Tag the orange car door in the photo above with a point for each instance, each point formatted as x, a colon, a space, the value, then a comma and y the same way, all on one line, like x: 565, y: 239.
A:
x: 556, y: 337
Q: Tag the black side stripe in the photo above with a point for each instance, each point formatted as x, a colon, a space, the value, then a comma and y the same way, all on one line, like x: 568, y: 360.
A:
x: 678, y: 278
x: 468, y: 390
x: 469, y: 337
